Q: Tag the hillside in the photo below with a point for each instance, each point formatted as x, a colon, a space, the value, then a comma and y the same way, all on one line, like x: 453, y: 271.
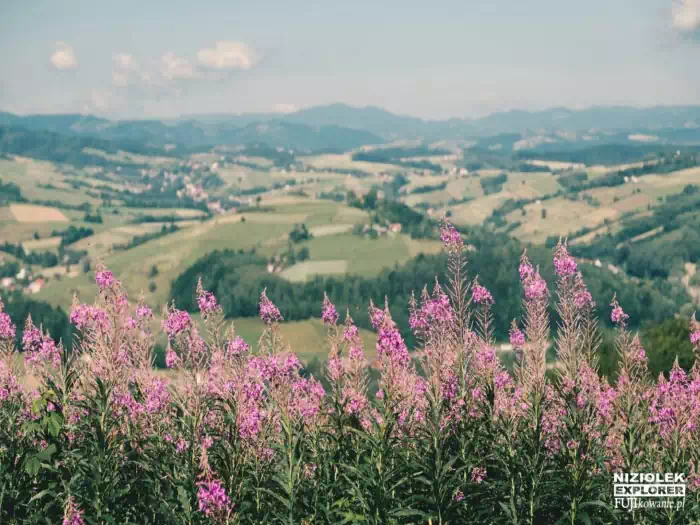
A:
x: 359, y: 222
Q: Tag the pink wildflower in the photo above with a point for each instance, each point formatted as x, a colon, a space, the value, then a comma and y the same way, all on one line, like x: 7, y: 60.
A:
x: 213, y: 499
x: 329, y: 315
x: 480, y: 295
x: 207, y: 303
x: 177, y: 322
x: 450, y: 237
x: 268, y: 311
x: 350, y: 333
x: 478, y: 475
x: 7, y: 328
x: 695, y: 338
x: 517, y: 338
x: 237, y: 347
x: 143, y: 312
x: 72, y: 515
x: 564, y: 264
x: 618, y: 315
x: 104, y: 279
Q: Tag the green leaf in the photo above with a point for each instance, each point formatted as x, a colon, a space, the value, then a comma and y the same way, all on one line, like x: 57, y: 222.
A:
x: 32, y: 466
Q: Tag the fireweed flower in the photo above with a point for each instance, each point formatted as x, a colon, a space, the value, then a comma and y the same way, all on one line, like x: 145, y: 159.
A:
x: 350, y: 333
x: 7, y: 328
x: 517, y: 338
x: 480, y: 295
x: 535, y: 287
x: 450, y: 237
x: 72, y: 515
x: 177, y: 322
x: 525, y: 269
x: 212, y: 499
x: 478, y: 475
x: 236, y: 347
x: 564, y: 264
x: 695, y: 338
x: 459, y: 496
x: 391, y: 346
x: 437, y: 309
x: 582, y: 298
x: 329, y: 315
x: 104, y: 279
x: 171, y: 358
x: 376, y: 315
x: 207, y: 303
x: 143, y: 312
x: 84, y: 316
x: 618, y: 315
x: 694, y: 332
x: 268, y: 311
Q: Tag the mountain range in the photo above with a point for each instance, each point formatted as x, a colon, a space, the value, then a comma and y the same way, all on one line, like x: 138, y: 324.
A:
x: 342, y: 127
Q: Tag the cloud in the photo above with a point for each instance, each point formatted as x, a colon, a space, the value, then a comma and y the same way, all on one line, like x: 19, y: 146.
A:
x: 228, y: 55
x: 173, y: 67
x: 285, y: 108
x: 64, y: 57
x: 685, y: 15
x: 124, y: 61
x: 125, y: 70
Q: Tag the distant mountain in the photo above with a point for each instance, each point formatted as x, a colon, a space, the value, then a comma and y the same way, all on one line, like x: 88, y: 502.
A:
x: 60, y: 147
x: 610, y: 118
x: 390, y: 125
x: 342, y: 127
x: 198, y: 133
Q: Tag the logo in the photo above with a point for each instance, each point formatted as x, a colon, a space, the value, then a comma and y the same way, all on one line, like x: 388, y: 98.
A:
x: 644, y: 490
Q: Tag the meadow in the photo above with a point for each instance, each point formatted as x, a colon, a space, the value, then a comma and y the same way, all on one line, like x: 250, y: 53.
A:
x: 240, y: 433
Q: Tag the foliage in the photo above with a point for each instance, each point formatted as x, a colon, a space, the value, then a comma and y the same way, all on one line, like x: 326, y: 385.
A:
x: 236, y: 277
x: 243, y: 436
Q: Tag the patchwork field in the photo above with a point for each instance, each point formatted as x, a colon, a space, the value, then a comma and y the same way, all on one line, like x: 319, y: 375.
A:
x: 304, y: 271
x: 33, y: 213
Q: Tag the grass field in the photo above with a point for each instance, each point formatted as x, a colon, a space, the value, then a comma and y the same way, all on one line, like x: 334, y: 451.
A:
x: 34, y: 213
x: 365, y: 256
x: 40, y: 245
x: 309, y: 338
x: 173, y: 253
x: 40, y: 180
x: 304, y: 271
x: 563, y: 217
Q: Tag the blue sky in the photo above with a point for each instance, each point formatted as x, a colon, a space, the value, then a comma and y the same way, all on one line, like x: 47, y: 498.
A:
x: 445, y: 58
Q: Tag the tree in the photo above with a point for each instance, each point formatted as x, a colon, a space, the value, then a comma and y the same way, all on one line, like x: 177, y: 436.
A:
x: 544, y: 213
x: 303, y: 254
x: 370, y: 201
x: 86, y: 266
x: 152, y: 286
x: 153, y: 272
x: 299, y: 233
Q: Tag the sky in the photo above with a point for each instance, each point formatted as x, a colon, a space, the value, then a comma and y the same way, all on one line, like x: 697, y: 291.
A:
x: 438, y: 59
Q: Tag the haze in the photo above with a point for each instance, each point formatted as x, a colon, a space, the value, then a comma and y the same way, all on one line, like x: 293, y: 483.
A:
x: 435, y: 60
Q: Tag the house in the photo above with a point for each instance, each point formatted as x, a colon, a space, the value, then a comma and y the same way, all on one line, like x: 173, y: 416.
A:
x: 36, y: 286
x: 395, y: 227
x: 7, y: 282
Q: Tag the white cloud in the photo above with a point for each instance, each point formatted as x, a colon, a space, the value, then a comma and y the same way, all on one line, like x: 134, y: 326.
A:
x: 228, y: 55
x: 686, y: 15
x: 285, y: 108
x: 173, y: 67
x: 124, y: 61
x: 125, y: 70
x: 64, y: 57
